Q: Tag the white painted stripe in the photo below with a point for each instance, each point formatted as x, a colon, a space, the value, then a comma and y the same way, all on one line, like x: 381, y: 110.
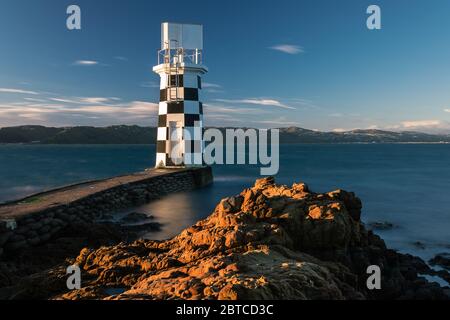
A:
x: 162, y: 108
x: 162, y: 134
x: 163, y: 83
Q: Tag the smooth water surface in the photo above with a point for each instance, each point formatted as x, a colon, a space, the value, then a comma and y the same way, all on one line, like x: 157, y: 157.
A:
x: 405, y: 184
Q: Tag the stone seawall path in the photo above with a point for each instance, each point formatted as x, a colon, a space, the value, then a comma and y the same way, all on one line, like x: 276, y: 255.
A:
x: 33, y: 220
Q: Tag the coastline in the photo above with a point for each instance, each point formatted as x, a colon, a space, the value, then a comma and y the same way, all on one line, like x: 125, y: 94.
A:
x: 123, y: 134
x: 398, y: 208
x: 268, y: 242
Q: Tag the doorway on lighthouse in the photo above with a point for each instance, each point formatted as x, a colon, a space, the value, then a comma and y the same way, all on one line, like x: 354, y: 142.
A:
x: 176, y: 149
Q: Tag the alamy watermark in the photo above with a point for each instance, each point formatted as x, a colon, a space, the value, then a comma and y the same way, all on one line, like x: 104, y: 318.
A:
x: 73, y: 22
x: 374, y: 280
x: 374, y: 20
x: 74, y: 280
x: 197, y: 146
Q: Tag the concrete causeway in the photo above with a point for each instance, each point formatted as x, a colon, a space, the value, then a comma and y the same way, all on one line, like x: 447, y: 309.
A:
x: 68, y: 194
x: 33, y: 220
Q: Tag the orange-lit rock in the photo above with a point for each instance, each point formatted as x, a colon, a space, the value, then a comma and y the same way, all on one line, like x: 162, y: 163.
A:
x: 269, y: 242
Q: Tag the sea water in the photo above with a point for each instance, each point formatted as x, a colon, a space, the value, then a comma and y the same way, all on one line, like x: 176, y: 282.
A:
x: 405, y: 184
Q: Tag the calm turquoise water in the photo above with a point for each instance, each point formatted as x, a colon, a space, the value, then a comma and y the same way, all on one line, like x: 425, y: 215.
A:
x: 406, y: 184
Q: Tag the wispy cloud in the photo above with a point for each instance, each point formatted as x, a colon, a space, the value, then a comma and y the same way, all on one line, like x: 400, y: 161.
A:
x: 208, y: 85
x: 446, y: 110
x: 98, y: 100
x: 224, y: 116
x: 34, y: 99
x: 121, y: 58
x: 218, y: 114
x: 301, y: 103
x: 280, y: 121
x: 288, y: 48
x: 134, y: 108
x: 428, y: 126
x: 61, y: 114
x: 421, y: 124
x: 341, y: 130
x: 257, y: 101
x: 86, y: 100
x: 212, y: 87
x: 63, y: 100
x: 150, y: 84
x: 344, y: 115
x: 85, y: 63
x: 20, y: 91
x: 214, y: 109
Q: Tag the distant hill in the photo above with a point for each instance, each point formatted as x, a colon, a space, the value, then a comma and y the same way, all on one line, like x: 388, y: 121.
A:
x: 79, y: 135
x: 147, y: 135
x: 299, y: 135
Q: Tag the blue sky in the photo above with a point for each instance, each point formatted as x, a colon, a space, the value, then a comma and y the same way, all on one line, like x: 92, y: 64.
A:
x: 279, y: 63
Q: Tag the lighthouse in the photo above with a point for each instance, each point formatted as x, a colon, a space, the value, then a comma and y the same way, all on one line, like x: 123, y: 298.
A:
x: 180, y: 118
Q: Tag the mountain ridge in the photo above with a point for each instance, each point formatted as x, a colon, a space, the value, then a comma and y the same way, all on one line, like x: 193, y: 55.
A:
x: 126, y: 134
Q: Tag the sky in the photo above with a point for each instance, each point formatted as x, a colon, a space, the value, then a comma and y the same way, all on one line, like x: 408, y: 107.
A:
x: 311, y: 63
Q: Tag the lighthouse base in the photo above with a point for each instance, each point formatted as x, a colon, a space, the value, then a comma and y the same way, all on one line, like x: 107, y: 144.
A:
x: 188, y: 160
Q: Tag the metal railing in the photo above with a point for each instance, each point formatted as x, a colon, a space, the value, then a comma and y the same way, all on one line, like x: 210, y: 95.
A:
x: 180, y: 55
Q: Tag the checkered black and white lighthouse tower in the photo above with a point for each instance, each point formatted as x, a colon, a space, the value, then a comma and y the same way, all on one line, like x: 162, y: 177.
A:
x: 180, y: 120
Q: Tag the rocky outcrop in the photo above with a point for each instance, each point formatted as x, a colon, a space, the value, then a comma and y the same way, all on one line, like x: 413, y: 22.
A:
x: 39, y: 272
x: 380, y: 225
x: 442, y: 260
x: 269, y: 242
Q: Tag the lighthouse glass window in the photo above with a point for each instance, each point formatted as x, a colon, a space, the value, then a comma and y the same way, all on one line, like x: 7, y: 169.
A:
x: 176, y: 80
x: 186, y: 36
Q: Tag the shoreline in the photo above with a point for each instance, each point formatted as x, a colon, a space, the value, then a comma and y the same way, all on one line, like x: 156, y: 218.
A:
x: 268, y: 242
